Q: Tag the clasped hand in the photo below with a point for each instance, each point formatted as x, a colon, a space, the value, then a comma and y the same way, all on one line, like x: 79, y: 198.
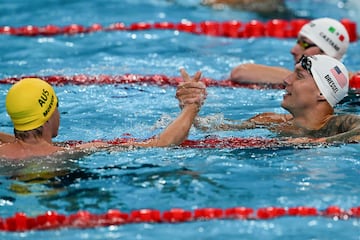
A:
x: 191, y: 90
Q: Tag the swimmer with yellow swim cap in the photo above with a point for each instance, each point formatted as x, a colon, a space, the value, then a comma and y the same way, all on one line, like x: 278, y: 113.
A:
x: 32, y: 105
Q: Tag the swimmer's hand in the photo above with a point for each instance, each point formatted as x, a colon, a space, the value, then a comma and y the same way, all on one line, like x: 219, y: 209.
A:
x: 191, y: 90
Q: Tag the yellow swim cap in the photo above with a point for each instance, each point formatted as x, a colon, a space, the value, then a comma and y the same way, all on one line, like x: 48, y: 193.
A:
x: 30, y: 103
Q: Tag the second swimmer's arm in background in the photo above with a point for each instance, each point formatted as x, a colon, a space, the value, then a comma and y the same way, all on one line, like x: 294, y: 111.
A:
x: 258, y: 74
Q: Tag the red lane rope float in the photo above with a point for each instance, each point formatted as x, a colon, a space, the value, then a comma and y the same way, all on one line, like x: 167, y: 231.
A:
x: 233, y: 28
x: 156, y: 79
x: 213, y: 143
x: 51, y: 220
x: 231, y: 142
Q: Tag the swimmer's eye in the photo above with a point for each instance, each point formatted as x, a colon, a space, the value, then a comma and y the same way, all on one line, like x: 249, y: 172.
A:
x: 305, y: 45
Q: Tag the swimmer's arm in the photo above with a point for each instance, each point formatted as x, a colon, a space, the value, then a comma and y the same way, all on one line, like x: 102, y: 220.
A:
x: 260, y: 6
x: 351, y: 125
x: 6, y: 138
x: 176, y: 132
x: 261, y: 74
x: 261, y: 120
x: 203, y: 124
x: 270, y: 118
x: 347, y: 137
x: 91, y: 145
x: 191, y: 95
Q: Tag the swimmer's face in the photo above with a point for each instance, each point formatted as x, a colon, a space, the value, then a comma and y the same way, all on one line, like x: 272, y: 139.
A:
x: 301, y: 90
x: 304, y: 46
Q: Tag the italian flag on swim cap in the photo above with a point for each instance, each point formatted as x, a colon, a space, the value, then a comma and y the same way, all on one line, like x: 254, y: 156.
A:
x: 337, y: 33
x: 328, y: 34
x: 331, y: 77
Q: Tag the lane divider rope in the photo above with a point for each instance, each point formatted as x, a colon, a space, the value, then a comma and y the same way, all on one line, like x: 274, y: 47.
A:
x: 209, y: 142
x: 235, y: 29
x: 155, y: 79
x: 20, y: 222
x: 213, y: 142
x: 277, y: 28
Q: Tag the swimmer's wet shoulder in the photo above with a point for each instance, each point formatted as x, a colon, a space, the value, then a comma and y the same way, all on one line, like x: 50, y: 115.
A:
x: 342, y: 128
x: 21, y: 150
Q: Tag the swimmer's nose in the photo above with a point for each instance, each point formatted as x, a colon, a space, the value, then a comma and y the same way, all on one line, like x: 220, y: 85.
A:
x: 288, y: 80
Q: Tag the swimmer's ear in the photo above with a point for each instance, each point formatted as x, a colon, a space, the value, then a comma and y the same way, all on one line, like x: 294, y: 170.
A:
x: 321, y: 97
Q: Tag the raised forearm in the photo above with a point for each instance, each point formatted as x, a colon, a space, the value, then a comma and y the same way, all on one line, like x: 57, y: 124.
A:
x: 179, y: 129
x: 191, y: 94
x: 176, y: 132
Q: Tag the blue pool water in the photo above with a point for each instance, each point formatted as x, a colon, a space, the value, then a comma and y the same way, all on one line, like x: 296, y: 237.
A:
x: 176, y: 177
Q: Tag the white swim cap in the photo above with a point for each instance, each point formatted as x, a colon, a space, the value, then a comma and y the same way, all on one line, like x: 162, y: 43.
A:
x: 328, y: 34
x: 330, y: 75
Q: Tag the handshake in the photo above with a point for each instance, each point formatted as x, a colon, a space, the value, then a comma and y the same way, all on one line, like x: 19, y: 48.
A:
x: 191, y: 91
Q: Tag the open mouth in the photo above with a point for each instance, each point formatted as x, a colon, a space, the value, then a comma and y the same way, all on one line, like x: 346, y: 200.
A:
x: 287, y: 93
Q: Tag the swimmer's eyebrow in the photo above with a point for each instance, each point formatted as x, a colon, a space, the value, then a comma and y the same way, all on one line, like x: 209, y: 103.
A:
x: 299, y: 72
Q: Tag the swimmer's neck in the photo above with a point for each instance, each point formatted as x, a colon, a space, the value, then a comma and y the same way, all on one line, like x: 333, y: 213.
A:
x: 33, y: 141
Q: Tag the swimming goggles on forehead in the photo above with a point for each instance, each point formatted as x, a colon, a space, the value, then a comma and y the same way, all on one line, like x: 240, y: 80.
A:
x: 304, y: 44
x: 305, y: 63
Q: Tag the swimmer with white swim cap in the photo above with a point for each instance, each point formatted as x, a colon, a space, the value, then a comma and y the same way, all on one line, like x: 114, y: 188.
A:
x: 330, y: 76
x: 320, y: 36
x: 312, y: 91
x: 328, y: 34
